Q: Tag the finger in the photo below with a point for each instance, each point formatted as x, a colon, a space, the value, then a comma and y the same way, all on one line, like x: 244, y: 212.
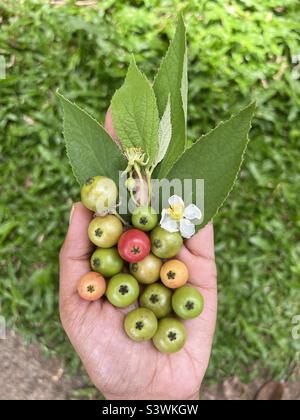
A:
x: 109, y: 126
x: 203, y: 276
x: 76, y: 250
x: 202, y: 244
x: 202, y: 271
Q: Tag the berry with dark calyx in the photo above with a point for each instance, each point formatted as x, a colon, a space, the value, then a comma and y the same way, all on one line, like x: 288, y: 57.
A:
x: 107, y: 261
x: 140, y: 324
x: 105, y: 231
x: 157, y: 298
x: 134, y: 245
x: 170, y: 336
x: 147, y: 270
x: 99, y: 194
x: 122, y: 290
x: 165, y: 244
x: 91, y: 286
x: 144, y: 218
x: 187, y: 302
x: 174, y: 274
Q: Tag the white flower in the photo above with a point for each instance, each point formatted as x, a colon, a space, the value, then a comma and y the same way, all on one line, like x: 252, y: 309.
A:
x: 178, y: 217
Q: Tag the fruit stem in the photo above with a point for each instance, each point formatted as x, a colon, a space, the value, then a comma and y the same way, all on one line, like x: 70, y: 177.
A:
x: 133, y: 198
x: 120, y: 218
x: 149, y: 183
x: 137, y: 170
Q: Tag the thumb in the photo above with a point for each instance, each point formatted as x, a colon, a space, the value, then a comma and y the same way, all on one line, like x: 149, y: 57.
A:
x: 109, y: 127
x: 202, y: 244
x: 76, y: 250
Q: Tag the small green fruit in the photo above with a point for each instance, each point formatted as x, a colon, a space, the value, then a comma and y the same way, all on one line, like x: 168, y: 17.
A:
x: 99, y: 193
x: 144, y: 218
x: 122, y: 290
x: 105, y: 231
x: 107, y: 262
x: 165, y: 244
x: 187, y: 302
x: 147, y: 270
x: 170, y: 336
x: 157, y: 298
x: 140, y: 324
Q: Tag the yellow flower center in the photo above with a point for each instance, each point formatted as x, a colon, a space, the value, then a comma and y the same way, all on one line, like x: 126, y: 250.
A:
x: 176, y: 211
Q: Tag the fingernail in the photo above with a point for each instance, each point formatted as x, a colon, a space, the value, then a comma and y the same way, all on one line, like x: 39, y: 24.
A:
x: 71, y: 213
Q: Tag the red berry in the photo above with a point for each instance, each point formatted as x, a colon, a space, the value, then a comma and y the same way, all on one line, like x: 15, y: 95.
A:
x: 134, y: 245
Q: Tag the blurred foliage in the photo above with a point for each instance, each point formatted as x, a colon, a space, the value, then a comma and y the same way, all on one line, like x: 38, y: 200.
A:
x: 238, y: 51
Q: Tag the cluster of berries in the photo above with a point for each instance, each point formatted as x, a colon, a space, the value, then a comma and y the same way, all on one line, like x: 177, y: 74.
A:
x: 136, y: 264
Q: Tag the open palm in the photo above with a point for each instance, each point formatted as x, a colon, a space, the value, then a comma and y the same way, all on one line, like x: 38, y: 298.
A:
x: 119, y: 367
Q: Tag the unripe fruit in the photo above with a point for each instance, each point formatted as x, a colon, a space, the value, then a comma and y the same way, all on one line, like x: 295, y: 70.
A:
x: 122, y: 290
x: 165, y: 244
x: 170, y: 336
x: 157, y: 298
x: 99, y: 194
x: 147, y: 270
x: 105, y: 231
x: 140, y: 324
x: 107, y: 261
x: 91, y: 286
x: 144, y: 218
x: 187, y: 302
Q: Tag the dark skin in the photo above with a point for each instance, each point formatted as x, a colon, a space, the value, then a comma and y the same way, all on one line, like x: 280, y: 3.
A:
x: 119, y: 367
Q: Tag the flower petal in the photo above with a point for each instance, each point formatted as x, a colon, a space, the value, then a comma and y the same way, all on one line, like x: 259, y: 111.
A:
x: 187, y: 228
x: 167, y: 223
x: 192, y: 212
x: 175, y: 200
x: 164, y: 215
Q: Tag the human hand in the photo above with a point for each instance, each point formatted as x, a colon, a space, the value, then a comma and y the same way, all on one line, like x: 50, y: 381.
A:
x: 119, y: 367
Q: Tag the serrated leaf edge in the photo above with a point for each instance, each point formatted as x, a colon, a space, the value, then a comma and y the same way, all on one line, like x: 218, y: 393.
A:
x: 61, y: 96
x: 179, y: 18
x: 133, y: 61
x: 168, y: 50
x: 239, y: 168
x: 202, y: 138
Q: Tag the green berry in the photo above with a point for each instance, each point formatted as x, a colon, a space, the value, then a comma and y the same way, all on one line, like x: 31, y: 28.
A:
x: 140, y: 324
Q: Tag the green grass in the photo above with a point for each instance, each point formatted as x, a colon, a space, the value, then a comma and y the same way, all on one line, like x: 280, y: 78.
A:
x: 238, y: 51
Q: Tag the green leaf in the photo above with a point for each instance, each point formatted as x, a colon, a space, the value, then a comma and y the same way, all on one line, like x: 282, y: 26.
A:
x: 164, y: 134
x: 184, y: 86
x: 216, y: 158
x: 134, y: 113
x: 5, y: 230
x: 171, y: 79
x: 90, y: 149
x: 260, y: 243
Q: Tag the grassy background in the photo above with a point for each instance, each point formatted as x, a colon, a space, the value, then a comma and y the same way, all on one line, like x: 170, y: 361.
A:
x: 238, y: 51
